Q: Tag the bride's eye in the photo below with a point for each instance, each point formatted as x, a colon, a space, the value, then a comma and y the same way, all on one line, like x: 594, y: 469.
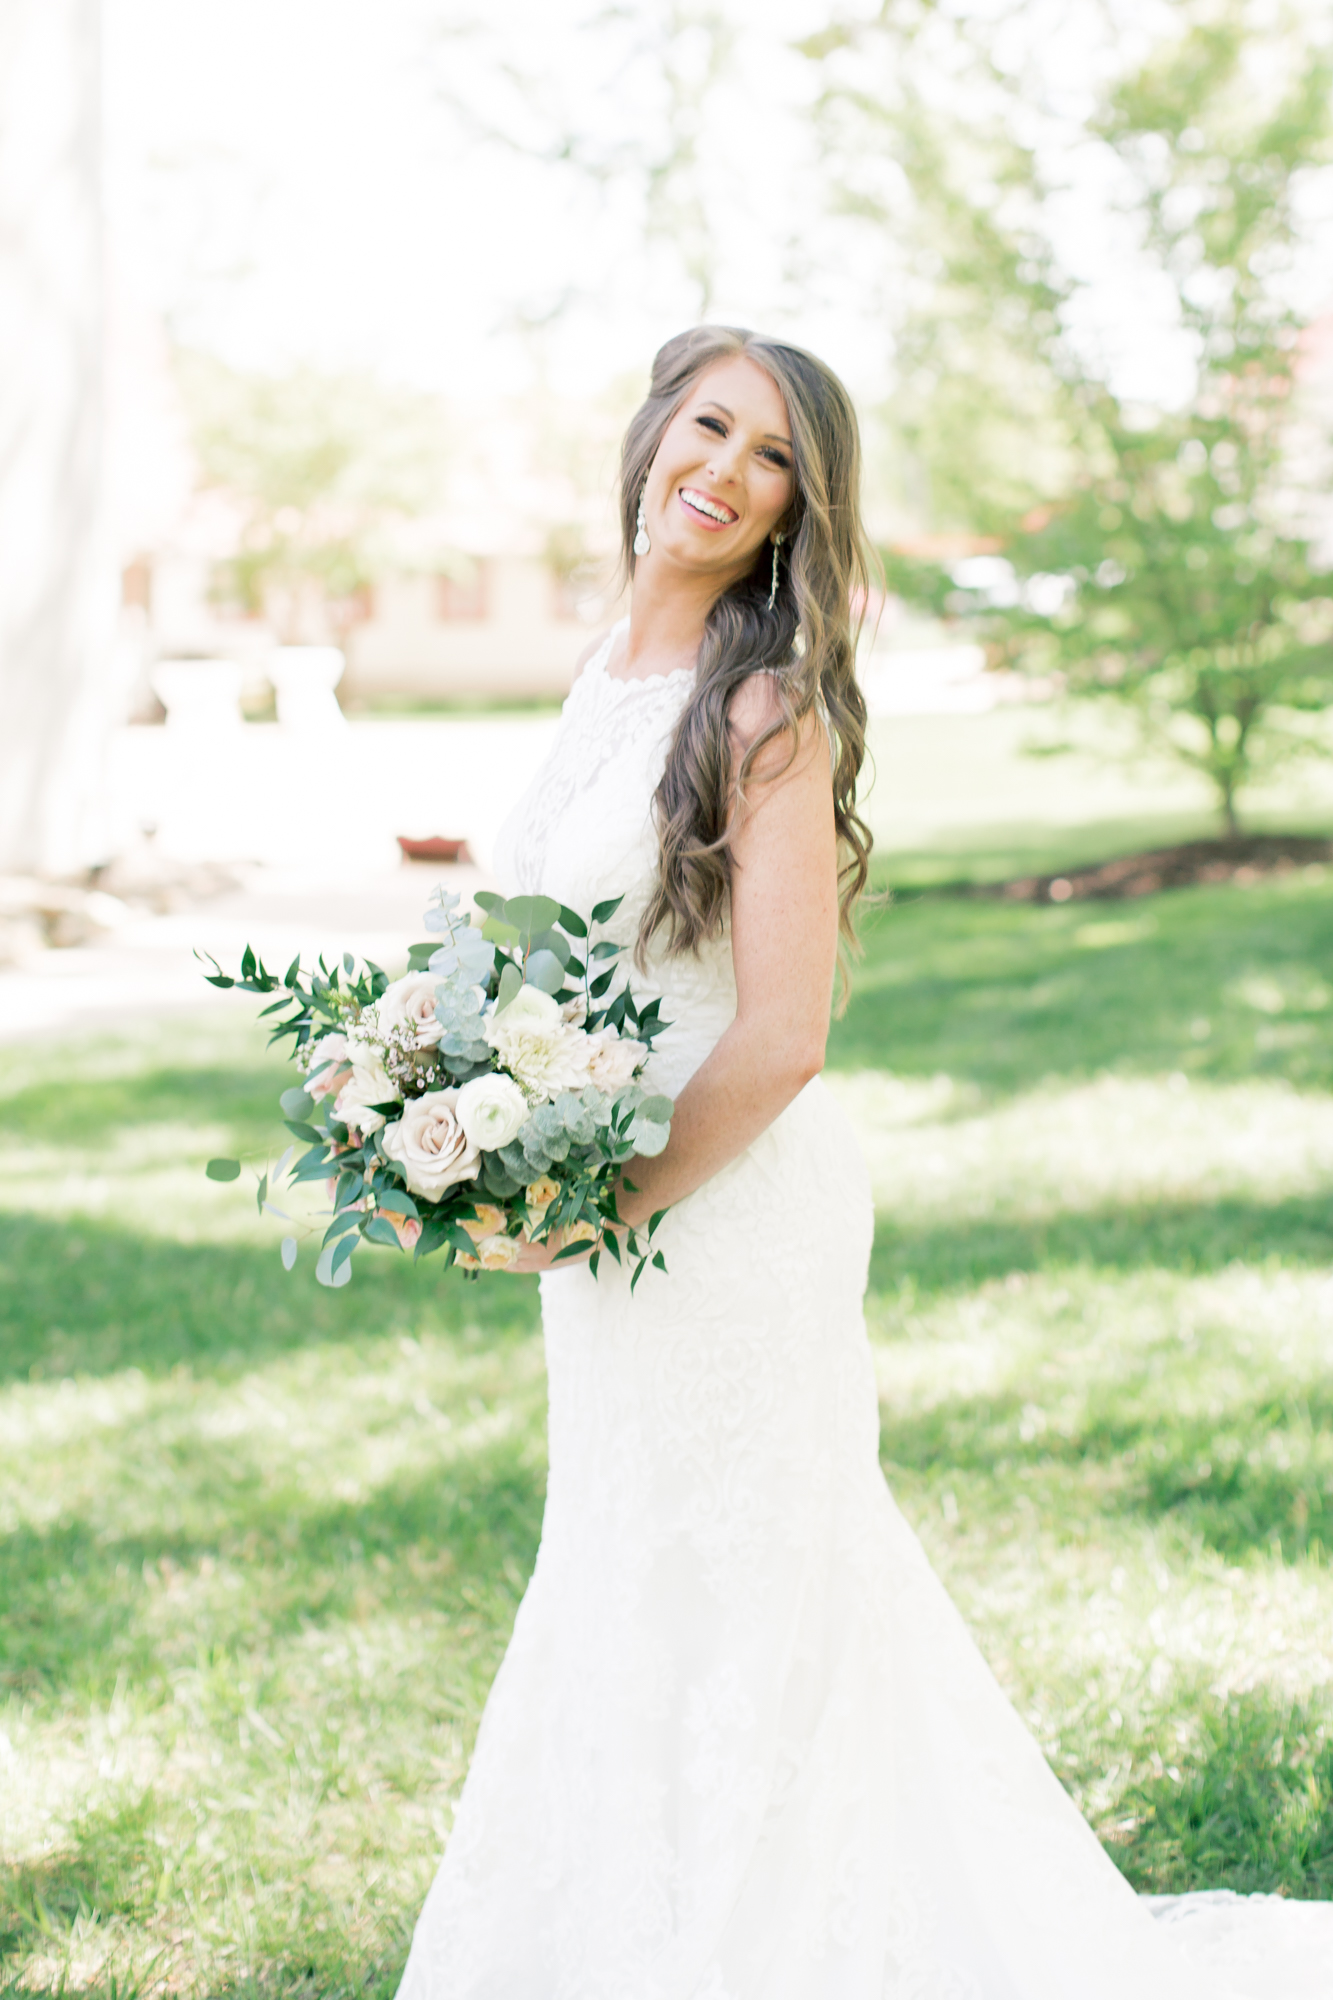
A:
x: 712, y: 424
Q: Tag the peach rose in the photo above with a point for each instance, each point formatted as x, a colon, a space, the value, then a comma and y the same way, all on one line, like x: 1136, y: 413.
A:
x: 539, y: 1195
x: 405, y: 1227
x: 494, y: 1253
x: 329, y: 1067
x: 488, y: 1219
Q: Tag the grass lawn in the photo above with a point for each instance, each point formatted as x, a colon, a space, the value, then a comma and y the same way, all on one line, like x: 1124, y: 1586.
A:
x: 263, y: 1543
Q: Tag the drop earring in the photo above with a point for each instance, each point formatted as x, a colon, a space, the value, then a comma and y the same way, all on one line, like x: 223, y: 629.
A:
x: 641, y: 541
x: 773, y: 586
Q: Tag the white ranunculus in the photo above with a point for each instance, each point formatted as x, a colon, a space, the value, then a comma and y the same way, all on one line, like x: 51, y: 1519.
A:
x: 369, y: 1084
x: 535, y: 1042
x: 491, y: 1109
x: 430, y: 1145
x: 613, y: 1060
x: 410, y: 1004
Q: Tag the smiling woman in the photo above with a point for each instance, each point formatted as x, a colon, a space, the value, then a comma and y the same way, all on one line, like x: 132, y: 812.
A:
x: 744, y: 465
x: 742, y: 1746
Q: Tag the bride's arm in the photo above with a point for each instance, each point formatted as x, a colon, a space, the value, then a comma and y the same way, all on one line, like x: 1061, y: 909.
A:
x: 784, y: 942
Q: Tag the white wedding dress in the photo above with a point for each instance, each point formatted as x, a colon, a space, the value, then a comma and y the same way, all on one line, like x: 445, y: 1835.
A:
x: 742, y: 1746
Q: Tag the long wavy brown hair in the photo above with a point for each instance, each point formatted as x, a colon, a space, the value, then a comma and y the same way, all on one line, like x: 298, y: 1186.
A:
x: 808, y: 638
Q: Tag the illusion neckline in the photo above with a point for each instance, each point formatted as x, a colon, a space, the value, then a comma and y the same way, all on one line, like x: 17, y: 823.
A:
x: 603, y: 656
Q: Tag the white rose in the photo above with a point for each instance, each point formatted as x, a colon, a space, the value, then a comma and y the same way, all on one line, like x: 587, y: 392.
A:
x: 410, y: 1004
x: 369, y: 1083
x: 491, y: 1109
x: 533, y: 1040
x: 326, y: 1069
x: 430, y: 1145
x: 613, y: 1060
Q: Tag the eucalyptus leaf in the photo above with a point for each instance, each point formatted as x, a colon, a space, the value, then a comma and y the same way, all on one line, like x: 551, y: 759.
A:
x: 602, y: 912
x: 531, y: 914
x: 553, y: 941
x: 288, y: 1252
x: 647, y: 1138
x: 223, y: 1170
x: 468, y: 954
x: 511, y: 979
x: 508, y: 936
x: 324, y: 1271
x: 545, y: 970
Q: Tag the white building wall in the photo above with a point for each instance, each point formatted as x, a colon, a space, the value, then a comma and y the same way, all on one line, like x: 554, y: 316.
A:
x: 521, y: 647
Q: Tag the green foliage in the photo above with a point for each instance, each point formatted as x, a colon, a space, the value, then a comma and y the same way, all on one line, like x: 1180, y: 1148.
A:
x: 1160, y: 558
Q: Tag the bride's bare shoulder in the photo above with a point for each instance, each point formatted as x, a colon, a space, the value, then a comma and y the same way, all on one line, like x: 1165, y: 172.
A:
x: 754, y: 709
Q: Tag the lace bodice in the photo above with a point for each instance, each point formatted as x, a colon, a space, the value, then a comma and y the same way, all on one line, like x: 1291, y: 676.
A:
x: 584, y: 834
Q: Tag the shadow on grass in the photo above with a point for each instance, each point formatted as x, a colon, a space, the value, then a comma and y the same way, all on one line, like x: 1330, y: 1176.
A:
x: 1006, y: 996
x: 1250, y: 1807
x: 107, y: 1867
x: 1181, y: 1237
x: 88, y: 1298
x: 1255, y: 1479
x: 78, y: 1596
x: 52, y: 1114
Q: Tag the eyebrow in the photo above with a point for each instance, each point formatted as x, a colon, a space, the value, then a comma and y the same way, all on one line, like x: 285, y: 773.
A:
x: 776, y: 436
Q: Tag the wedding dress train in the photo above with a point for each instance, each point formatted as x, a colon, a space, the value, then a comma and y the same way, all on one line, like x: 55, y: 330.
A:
x: 742, y: 1746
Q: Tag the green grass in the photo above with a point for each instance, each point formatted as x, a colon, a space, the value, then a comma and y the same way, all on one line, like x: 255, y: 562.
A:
x: 263, y: 1543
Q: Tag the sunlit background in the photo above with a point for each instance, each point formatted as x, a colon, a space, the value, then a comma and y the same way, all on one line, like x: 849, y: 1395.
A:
x: 319, y: 326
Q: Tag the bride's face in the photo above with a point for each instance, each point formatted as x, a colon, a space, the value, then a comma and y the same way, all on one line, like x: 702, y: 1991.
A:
x: 722, y: 479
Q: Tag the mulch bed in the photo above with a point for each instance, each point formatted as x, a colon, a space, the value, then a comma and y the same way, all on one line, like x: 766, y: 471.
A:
x: 1194, y: 861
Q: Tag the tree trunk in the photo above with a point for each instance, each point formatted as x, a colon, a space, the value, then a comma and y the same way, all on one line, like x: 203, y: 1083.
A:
x: 1229, y: 815
x: 57, y: 597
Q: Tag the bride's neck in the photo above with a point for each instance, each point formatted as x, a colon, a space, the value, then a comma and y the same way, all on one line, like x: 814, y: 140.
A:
x: 667, y: 616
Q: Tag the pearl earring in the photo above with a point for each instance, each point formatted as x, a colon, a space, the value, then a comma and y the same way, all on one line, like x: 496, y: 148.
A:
x: 641, y: 541
x: 773, y: 586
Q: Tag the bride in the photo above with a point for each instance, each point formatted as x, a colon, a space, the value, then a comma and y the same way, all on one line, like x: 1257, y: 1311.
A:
x: 742, y: 1746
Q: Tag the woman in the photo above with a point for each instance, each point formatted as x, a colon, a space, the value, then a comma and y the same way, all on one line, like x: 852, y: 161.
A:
x: 741, y: 1746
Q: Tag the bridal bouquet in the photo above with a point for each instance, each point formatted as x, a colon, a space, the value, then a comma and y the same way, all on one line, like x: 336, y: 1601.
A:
x: 484, y: 1100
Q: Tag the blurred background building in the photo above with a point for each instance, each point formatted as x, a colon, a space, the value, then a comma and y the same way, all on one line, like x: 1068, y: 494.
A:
x: 320, y: 343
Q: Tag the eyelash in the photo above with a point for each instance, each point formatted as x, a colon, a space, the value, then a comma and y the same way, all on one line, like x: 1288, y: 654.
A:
x: 777, y: 457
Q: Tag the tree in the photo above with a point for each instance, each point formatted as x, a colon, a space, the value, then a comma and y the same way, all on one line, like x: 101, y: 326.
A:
x: 1162, y: 557
x: 57, y: 588
x: 327, y: 472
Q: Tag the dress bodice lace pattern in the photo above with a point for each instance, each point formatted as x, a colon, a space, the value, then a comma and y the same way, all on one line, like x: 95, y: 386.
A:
x: 742, y: 1746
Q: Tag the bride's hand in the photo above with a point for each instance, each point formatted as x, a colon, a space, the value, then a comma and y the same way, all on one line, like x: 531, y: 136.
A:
x: 538, y: 1256
x: 542, y: 1256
